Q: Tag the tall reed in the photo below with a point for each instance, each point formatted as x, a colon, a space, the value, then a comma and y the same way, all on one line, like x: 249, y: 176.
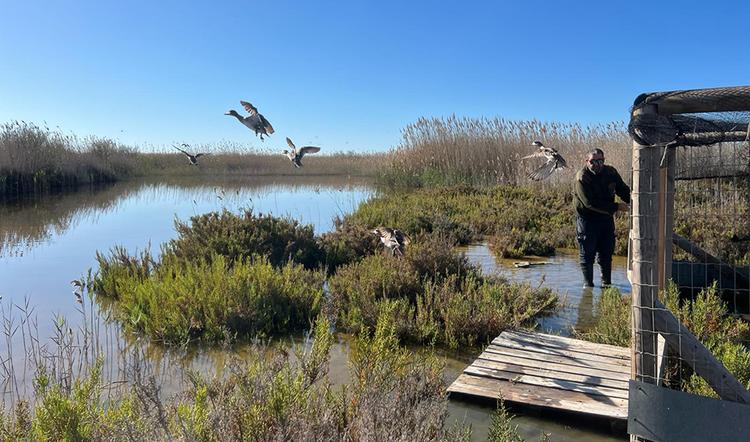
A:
x: 35, y: 159
x: 486, y: 151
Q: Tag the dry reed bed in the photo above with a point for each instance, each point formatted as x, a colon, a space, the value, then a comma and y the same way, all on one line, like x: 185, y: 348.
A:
x: 36, y: 159
x: 484, y: 151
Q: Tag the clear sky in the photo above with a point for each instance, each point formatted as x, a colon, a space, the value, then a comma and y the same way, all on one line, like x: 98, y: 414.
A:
x: 349, y: 75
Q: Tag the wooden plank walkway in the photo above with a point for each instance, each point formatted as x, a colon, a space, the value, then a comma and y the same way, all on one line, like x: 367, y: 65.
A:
x: 551, y: 372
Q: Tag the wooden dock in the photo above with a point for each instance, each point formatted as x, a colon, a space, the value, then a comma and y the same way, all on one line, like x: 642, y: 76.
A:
x: 551, y: 372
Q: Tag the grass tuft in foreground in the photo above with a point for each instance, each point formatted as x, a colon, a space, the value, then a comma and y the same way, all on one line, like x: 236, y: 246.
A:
x: 277, y: 396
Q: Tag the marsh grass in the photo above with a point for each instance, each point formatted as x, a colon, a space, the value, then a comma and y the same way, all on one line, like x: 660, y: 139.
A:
x: 240, y: 235
x: 725, y: 336
x: 488, y: 151
x: 714, y: 214
x: 516, y: 220
x: 37, y: 160
x: 611, y: 320
x: 177, y: 301
x: 435, y: 299
x: 225, y: 276
x: 347, y: 243
x: 277, y: 395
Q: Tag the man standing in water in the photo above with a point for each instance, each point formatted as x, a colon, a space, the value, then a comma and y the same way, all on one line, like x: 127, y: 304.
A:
x: 595, y: 189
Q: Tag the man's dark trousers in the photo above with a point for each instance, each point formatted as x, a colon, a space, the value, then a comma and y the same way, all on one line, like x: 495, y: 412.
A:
x: 596, y: 239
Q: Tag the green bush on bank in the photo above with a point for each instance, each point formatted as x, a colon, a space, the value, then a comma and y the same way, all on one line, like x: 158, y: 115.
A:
x: 182, y: 301
x: 237, y: 236
x: 347, y: 243
x: 611, y: 320
x: 448, y: 308
x: 723, y: 335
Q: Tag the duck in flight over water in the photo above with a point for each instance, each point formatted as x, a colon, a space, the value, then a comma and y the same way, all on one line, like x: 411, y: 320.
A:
x: 295, y: 156
x: 255, y: 121
x: 193, y: 158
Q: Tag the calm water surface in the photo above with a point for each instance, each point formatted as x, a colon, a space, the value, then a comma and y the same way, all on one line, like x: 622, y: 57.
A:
x: 47, y: 242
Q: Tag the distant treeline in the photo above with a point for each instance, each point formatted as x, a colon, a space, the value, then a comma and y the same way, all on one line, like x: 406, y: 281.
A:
x: 36, y: 159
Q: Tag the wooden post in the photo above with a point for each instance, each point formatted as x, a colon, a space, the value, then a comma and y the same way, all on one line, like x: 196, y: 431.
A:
x: 644, y: 258
x: 666, y: 229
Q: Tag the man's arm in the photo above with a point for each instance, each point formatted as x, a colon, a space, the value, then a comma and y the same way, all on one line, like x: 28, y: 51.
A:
x: 621, y: 189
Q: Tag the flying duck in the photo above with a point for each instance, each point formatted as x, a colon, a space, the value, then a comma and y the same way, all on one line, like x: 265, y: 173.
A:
x: 554, y: 161
x: 193, y: 158
x: 255, y: 121
x: 393, y: 240
x: 295, y: 156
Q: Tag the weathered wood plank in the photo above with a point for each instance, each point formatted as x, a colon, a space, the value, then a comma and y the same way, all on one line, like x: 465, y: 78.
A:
x: 574, y: 355
x: 551, y: 371
x: 515, y: 370
x: 547, y: 357
x: 623, y: 375
x: 613, y: 408
x: 570, y: 343
x: 539, y: 381
x: 728, y: 270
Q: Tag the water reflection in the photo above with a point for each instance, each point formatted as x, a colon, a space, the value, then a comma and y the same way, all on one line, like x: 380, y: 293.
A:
x: 48, y: 242
x: 560, y: 273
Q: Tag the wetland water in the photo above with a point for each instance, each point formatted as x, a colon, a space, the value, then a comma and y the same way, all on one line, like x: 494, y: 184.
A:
x: 46, y: 243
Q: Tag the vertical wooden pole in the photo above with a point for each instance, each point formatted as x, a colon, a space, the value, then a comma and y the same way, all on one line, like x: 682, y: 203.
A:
x: 644, y: 259
x: 645, y: 253
x: 666, y: 228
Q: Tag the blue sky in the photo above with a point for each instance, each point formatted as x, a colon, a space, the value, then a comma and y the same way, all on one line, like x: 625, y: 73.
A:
x: 350, y: 75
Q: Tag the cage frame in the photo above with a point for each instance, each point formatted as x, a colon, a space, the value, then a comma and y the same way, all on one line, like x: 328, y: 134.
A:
x: 654, y: 329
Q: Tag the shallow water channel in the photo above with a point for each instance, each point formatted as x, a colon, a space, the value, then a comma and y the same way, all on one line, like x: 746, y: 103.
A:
x: 47, y: 242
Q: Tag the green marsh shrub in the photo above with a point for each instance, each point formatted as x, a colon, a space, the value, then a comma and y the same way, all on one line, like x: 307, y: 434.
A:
x: 347, y: 243
x: 706, y: 317
x: 611, y: 320
x: 357, y: 288
x: 237, y: 236
x: 453, y: 305
x: 213, y: 300
x: 432, y: 257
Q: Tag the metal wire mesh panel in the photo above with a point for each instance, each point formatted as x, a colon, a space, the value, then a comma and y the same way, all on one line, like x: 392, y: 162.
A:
x: 690, y: 236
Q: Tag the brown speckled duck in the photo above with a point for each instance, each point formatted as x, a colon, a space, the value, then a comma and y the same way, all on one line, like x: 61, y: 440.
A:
x: 393, y: 240
x: 554, y: 161
x: 295, y: 156
x: 255, y: 121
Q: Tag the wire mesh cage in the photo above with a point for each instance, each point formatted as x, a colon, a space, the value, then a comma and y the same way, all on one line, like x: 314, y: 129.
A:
x: 690, y: 237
